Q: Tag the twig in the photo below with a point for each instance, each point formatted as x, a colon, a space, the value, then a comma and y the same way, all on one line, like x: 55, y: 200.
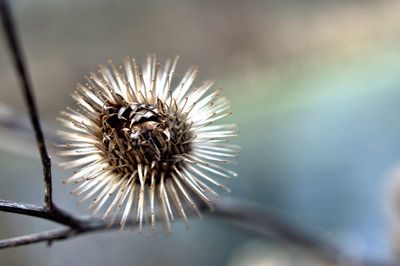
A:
x: 55, y: 214
x: 246, y: 215
x: 23, y: 208
x: 8, y: 25
x: 52, y: 235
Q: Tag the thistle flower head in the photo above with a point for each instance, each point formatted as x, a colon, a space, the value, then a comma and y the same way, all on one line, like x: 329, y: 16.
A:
x: 143, y: 144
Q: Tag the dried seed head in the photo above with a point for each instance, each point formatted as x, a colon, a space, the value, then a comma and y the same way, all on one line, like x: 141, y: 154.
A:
x: 142, y: 147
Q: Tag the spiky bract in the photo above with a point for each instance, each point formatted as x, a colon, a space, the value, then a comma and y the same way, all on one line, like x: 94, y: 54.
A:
x: 143, y: 143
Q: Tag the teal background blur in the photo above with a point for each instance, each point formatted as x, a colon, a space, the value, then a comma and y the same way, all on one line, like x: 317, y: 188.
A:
x: 315, y: 89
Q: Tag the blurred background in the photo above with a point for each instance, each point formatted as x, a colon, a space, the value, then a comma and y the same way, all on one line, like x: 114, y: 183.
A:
x: 315, y: 90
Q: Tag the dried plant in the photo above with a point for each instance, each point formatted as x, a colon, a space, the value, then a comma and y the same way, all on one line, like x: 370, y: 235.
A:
x: 135, y: 138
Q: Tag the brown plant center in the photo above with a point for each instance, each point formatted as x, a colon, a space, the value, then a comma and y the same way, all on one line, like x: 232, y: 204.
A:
x: 143, y: 134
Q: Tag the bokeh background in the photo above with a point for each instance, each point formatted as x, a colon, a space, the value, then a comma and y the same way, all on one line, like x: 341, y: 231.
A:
x: 315, y: 89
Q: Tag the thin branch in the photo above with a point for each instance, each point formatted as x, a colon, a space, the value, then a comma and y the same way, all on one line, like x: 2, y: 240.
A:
x: 246, y: 215
x: 56, y: 215
x: 8, y: 25
x: 23, y: 208
x: 88, y: 226
x: 52, y: 235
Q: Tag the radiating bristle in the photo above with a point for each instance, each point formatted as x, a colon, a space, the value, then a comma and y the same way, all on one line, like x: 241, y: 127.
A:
x: 142, y: 144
